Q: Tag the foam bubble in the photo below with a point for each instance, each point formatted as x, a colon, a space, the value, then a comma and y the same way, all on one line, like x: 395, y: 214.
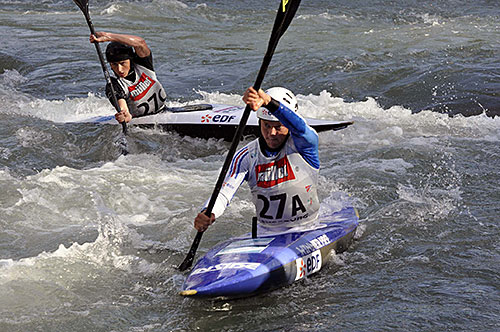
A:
x: 11, y: 78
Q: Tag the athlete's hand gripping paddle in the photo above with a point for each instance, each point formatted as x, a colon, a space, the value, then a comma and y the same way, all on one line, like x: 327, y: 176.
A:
x: 284, y: 16
x: 84, y: 6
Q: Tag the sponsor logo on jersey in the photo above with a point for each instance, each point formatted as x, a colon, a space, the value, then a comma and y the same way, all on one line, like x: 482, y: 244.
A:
x: 269, y: 175
x: 308, y: 265
x: 139, y: 90
x: 227, y: 185
x: 226, y: 266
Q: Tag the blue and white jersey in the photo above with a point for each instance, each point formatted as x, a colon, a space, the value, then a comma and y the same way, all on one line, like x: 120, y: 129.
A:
x: 283, y: 183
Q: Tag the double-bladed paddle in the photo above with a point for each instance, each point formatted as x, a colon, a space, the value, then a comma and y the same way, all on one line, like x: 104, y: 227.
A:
x: 84, y: 6
x: 284, y: 16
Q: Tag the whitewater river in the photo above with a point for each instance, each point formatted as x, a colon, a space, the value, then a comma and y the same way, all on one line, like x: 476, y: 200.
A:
x: 89, y: 238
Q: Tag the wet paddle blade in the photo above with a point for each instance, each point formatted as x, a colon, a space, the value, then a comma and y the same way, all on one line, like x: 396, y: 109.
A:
x: 83, y: 5
x: 286, y: 13
x: 188, y: 261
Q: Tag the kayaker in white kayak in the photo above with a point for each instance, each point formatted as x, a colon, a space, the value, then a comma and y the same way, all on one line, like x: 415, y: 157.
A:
x: 137, y: 89
x: 281, y: 166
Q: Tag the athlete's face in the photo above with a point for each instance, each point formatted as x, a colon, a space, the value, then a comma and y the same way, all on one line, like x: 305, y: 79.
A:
x: 274, y: 133
x: 121, y: 68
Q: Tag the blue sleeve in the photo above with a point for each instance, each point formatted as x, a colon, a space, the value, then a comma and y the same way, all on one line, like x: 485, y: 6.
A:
x: 304, y: 137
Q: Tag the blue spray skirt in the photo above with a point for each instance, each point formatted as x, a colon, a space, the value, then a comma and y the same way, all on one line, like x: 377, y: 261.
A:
x: 244, y: 266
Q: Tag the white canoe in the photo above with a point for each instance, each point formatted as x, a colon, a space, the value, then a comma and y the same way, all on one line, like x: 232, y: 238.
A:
x: 209, y: 121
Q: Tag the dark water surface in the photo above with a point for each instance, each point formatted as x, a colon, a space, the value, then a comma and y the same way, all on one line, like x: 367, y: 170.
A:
x: 89, y: 239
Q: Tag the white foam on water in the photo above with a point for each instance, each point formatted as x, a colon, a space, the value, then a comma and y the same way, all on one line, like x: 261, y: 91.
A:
x: 173, y: 3
x: 155, y: 8
x: 163, y: 190
x: 391, y: 167
x: 100, y: 198
x: 31, y: 137
x: 373, y: 124
x: 427, y: 203
x: 12, y: 78
x: 396, y: 122
x: 325, y: 18
x: 138, y: 190
x: 112, y: 9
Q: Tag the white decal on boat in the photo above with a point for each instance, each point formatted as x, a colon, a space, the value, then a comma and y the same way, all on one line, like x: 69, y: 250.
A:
x: 217, y: 118
x: 314, y: 244
x: 308, y: 265
x: 260, y: 241
x: 226, y: 266
x: 246, y: 246
x: 241, y: 250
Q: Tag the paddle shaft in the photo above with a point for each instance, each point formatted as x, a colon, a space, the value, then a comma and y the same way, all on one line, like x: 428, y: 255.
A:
x: 85, y: 11
x: 237, y: 137
x: 283, y: 19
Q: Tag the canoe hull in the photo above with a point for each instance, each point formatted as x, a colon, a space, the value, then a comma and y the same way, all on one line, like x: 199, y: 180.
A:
x: 246, y: 266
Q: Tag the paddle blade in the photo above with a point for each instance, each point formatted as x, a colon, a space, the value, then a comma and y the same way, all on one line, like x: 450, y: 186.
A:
x: 286, y: 12
x: 284, y: 16
x: 188, y: 261
x: 83, y: 5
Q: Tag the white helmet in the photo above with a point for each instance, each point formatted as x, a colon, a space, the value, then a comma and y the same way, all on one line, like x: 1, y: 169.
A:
x: 284, y: 96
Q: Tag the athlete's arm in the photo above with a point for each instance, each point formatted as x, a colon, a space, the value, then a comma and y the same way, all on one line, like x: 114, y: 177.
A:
x: 124, y: 114
x: 237, y: 173
x: 304, y: 137
x: 139, y: 44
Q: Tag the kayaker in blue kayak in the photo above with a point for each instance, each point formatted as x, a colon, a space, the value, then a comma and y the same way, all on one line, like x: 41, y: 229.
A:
x: 281, y: 166
x: 137, y: 89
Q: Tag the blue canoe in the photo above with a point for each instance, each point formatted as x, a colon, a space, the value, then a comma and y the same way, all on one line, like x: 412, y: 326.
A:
x: 245, y: 266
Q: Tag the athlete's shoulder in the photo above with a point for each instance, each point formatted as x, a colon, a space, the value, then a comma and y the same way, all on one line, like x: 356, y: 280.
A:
x: 250, y: 146
x: 239, y: 162
x: 242, y: 152
x: 146, y: 62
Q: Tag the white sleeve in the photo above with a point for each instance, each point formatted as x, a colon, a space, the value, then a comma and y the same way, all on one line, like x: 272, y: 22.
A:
x: 235, y: 176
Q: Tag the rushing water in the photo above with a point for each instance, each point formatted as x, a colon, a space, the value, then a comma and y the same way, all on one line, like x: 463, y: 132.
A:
x: 89, y: 239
